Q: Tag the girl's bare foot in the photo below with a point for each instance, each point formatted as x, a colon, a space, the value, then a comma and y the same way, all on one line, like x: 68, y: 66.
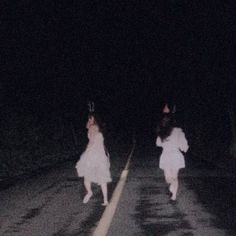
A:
x: 105, y: 204
x: 87, y: 197
x: 173, y: 198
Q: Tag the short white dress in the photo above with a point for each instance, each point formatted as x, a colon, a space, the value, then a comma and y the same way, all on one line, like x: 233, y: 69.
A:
x: 172, y: 157
x: 94, y: 164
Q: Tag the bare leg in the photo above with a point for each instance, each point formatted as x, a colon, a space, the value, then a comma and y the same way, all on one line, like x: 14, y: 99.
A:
x: 168, y: 179
x: 174, y: 184
x: 89, y: 194
x: 171, y: 187
x: 167, y: 175
x: 104, y: 193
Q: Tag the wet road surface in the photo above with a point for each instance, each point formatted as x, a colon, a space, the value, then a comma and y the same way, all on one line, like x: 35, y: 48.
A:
x: 206, y: 202
x: 50, y: 203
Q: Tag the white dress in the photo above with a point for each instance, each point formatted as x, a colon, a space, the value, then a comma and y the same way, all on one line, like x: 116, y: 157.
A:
x: 172, y: 157
x: 94, y: 165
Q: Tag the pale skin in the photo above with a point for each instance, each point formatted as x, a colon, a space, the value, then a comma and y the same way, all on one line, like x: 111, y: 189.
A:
x: 171, y: 177
x: 89, y: 194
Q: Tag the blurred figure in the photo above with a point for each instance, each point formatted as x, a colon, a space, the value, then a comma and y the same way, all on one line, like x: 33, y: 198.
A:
x: 169, y: 108
x: 94, y: 164
x: 91, y: 121
x: 166, y: 109
x: 173, y: 142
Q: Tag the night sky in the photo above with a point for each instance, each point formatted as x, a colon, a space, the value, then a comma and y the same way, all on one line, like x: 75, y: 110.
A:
x: 128, y: 56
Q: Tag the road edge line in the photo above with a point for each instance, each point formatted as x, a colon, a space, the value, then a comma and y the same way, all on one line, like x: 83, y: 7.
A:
x: 107, y: 216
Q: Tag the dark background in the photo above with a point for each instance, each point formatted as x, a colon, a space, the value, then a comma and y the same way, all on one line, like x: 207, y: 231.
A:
x: 128, y: 57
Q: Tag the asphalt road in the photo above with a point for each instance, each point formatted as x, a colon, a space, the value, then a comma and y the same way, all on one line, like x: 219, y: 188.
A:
x: 50, y: 202
x: 206, y: 202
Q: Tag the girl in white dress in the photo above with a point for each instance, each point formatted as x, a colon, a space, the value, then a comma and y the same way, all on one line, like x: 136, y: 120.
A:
x: 173, y: 142
x: 94, y: 164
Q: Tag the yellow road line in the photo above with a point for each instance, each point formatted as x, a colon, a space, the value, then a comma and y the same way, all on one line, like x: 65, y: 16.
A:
x: 106, y: 219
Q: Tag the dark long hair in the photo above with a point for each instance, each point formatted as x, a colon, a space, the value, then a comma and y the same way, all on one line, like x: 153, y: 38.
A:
x: 166, y: 126
x: 101, y: 127
x: 98, y: 121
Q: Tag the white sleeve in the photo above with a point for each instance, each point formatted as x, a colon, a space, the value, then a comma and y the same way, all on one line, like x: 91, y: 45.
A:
x: 183, y: 143
x: 158, y: 142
